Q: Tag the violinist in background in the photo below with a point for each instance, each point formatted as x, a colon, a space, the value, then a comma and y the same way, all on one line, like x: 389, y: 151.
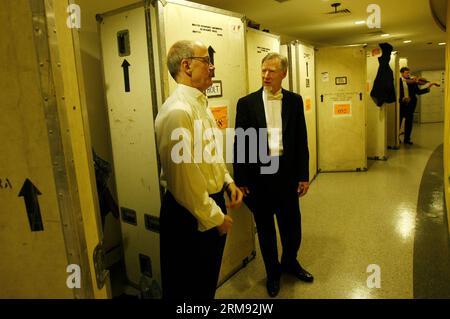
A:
x: 409, y: 89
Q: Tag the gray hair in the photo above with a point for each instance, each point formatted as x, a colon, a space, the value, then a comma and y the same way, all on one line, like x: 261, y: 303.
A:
x: 274, y: 55
x: 180, y: 50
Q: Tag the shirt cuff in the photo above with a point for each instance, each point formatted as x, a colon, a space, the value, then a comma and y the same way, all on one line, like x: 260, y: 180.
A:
x: 216, y: 219
x: 228, y: 180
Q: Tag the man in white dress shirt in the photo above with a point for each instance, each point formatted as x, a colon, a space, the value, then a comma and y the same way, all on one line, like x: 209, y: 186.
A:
x: 193, y: 221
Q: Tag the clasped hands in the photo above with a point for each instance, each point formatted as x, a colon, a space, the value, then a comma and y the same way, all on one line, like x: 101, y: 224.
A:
x: 235, y: 195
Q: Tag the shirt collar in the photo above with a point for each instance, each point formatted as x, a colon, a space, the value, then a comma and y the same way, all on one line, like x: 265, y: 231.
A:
x: 192, y: 92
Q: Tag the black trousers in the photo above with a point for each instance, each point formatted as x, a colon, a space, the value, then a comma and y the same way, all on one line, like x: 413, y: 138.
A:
x: 190, y: 259
x: 407, y: 113
x: 270, y: 197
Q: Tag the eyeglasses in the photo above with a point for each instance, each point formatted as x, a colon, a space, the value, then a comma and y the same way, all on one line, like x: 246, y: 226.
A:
x: 205, y: 59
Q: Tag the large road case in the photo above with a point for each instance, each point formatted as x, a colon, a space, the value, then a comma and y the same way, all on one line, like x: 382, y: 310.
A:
x: 134, y: 41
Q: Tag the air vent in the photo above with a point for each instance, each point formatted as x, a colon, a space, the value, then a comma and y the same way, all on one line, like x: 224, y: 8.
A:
x: 336, y: 5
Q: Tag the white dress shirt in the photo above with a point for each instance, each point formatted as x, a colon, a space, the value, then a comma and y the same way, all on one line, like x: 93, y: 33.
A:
x: 272, y: 109
x: 405, y: 88
x: 190, y: 182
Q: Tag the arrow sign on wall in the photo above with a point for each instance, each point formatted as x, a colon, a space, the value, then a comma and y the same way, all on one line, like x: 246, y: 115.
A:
x: 30, y: 193
x: 126, y: 75
x: 211, y: 52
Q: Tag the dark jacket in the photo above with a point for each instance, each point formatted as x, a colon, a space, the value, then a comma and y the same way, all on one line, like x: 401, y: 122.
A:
x: 413, y: 90
x: 383, y: 90
x: 250, y: 114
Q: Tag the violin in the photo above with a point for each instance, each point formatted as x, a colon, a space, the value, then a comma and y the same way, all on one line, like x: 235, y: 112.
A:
x: 420, y: 81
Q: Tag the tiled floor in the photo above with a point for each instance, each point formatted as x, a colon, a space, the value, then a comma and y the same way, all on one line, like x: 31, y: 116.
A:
x: 351, y: 221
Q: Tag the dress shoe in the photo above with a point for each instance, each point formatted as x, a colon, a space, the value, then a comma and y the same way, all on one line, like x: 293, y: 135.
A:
x: 409, y: 142
x: 273, y: 287
x: 298, y: 272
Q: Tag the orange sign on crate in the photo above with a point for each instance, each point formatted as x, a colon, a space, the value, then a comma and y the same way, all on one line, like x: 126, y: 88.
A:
x: 220, y: 114
x: 308, y: 104
x: 342, y: 109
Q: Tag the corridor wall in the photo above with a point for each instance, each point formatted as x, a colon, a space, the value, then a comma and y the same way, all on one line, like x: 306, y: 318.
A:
x: 447, y: 124
x: 432, y: 104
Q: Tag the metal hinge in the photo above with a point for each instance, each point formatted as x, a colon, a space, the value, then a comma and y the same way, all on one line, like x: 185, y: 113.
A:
x: 99, y: 264
x: 155, y: 2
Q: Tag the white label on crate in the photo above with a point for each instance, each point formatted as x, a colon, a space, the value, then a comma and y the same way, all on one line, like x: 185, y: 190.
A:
x: 201, y: 28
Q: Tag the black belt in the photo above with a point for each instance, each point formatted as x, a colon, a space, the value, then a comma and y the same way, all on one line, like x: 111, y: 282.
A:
x: 217, y: 196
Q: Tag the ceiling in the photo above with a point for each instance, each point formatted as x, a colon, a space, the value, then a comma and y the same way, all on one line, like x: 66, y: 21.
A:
x: 306, y: 20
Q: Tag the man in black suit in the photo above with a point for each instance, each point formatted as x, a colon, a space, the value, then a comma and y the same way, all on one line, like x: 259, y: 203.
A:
x: 277, y: 118
x: 409, y: 88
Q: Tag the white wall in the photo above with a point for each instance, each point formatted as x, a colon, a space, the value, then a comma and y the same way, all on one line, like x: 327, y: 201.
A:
x: 432, y: 104
x: 424, y: 59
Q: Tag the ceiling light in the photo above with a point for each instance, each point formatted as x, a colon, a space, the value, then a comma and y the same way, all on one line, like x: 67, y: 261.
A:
x: 407, y: 41
x: 441, y: 43
x: 356, y: 45
x: 385, y: 35
x: 360, y: 22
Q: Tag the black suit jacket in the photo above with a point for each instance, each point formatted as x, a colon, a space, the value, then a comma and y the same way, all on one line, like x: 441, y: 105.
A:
x: 250, y: 114
x: 413, y: 90
x: 383, y: 90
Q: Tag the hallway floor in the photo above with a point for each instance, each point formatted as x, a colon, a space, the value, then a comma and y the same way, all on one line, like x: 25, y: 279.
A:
x: 353, y: 220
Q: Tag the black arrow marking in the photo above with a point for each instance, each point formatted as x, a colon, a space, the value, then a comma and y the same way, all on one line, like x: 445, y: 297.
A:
x: 211, y: 52
x: 30, y: 194
x: 126, y: 75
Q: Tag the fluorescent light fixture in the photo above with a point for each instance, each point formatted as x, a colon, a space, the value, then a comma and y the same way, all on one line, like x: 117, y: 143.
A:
x: 442, y: 43
x: 385, y: 35
x: 407, y: 41
x: 356, y: 45
x: 360, y: 22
